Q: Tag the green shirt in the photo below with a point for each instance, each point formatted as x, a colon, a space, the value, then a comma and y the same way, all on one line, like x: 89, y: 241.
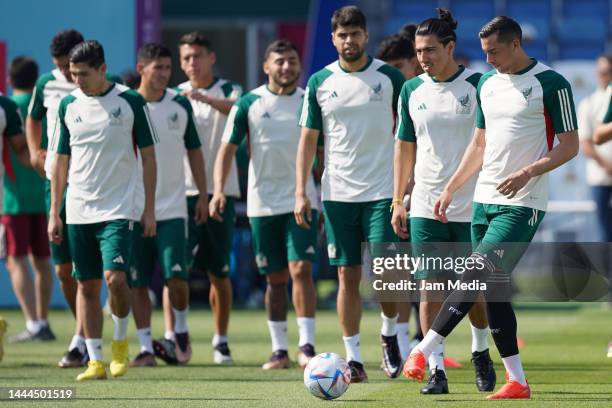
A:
x: 24, y: 189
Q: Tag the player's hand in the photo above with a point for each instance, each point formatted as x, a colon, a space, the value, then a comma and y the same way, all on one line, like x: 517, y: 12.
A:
x: 148, y: 223
x: 38, y: 161
x: 441, y: 205
x: 514, y: 183
x: 201, y: 209
x: 398, y: 221
x: 217, y: 206
x: 302, y: 211
x: 197, y: 96
x: 55, y: 230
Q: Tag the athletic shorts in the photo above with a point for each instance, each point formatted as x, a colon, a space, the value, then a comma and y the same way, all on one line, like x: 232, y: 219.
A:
x: 494, y: 226
x: 167, y: 246
x: 26, y: 234
x: 59, y: 253
x: 349, y: 224
x: 99, y: 247
x: 209, y: 245
x: 278, y: 240
x: 426, y: 230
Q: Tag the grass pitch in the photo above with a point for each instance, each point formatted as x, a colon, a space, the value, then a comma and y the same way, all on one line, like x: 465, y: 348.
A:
x: 564, y: 359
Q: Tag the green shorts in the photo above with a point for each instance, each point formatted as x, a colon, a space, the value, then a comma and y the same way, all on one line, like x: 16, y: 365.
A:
x: 99, y: 247
x: 277, y: 240
x: 499, y: 230
x: 349, y: 224
x: 426, y: 230
x: 59, y: 253
x: 209, y: 245
x: 167, y: 246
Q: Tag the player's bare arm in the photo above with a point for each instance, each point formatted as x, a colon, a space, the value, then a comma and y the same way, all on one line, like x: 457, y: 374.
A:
x: 223, y: 165
x: 149, y: 177
x: 307, y: 149
x: 59, y: 181
x: 404, y: 159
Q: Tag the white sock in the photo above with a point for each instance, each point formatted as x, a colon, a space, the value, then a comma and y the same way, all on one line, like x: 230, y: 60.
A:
x: 32, y: 326
x: 515, y: 369
x: 429, y: 343
x: 217, y: 339
x: 278, y: 334
x: 77, y: 342
x: 480, y: 339
x: 306, y: 327
x: 145, y: 339
x: 403, y: 339
x: 121, y: 325
x: 94, y: 348
x: 42, y: 323
x: 169, y: 335
x: 436, y: 358
x: 389, y: 325
x: 180, y: 320
x: 353, y: 349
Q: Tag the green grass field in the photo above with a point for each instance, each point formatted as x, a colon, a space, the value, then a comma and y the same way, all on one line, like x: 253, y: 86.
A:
x: 564, y: 359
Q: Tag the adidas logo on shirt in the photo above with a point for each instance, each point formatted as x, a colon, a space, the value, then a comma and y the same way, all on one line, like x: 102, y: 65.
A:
x: 176, y: 268
x: 334, y: 94
x: 118, y: 260
x: 78, y: 119
x: 266, y: 115
x: 422, y: 106
x: 310, y: 250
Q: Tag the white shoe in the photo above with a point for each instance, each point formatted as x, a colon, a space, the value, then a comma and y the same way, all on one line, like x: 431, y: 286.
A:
x: 222, y: 354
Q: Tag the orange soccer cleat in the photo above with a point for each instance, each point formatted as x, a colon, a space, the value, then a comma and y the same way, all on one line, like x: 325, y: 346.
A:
x: 512, y: 390
x: 415, y: 366
x: 450, y: 362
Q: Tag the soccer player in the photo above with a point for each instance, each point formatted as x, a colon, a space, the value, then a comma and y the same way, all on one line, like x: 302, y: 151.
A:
x: 211, y: 99
x: 352, y: 101
x: 282, y: 249
x: 100, y: 125
x: 522, y: 104
x: 25, y: 221
x: 172, y: 120
x: 437, y: 112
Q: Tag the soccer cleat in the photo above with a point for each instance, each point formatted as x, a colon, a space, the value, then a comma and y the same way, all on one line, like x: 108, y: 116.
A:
x: 512, y: 390
x: 3, y: 326
x: 44, y: 334
x: 95, y: 371
x: 485, y: 372
x: 415, y: 365
x: 73, y: 358
x: 437, y: 383
x: 166, y: 350
x: 222, y: 354
x: 144, y: 359
x: 305, y: 354
x: 120, y: 361
x: 358, y: 374
x: 609, y: 350
x: 183, y: 348
x: 392, y: 358
x: 23, y: 337
x: 278, y: 360
x: 450, y: 362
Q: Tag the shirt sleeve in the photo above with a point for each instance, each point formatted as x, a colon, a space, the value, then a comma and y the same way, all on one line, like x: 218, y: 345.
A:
x: 37, y: 109
x: 310, y: 116
x: 232, y: 90
x: 608, y: 117
x: 559, y: 101
x: 142, y: 128
x: 237, y: 124
x: 13, y: 118
x: 191, y: 137
x: 405, y: 128
x: 63, y: 146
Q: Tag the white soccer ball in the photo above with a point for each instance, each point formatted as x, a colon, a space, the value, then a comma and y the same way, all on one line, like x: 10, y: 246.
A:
x: 327, y: 376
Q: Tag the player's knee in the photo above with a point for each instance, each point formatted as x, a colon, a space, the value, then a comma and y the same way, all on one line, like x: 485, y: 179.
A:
x: 115, y: 281
x: 278, y: 278
x: 88, y: 289
x: 349, y: 277
x: 301, y: 271
x: 64, y: 273
x: 477, y: 268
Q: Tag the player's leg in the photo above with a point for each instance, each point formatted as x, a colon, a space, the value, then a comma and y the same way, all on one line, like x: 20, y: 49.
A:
x: 39, y: 259
x: 404, y: 310
x: 271, y: 258
x: 115, y: 240
x: 344, y: 237
x: 141, y: 270
x: 301, y: 253
x: 88, y: 274
x: 376, y: 224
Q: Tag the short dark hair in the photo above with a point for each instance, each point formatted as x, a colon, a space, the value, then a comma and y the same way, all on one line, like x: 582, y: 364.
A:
x: 280, y: 46
x: 506, y: 28
x: 23, y: 72
x: 151, y: 51
x: 196, y: 38
x: 64, y: 41
x: 131, y: 79
x: 348, y: 16
x: 408, y: 30
x: 395, y: 47
x: 443, y: 27
x: 89, y: 52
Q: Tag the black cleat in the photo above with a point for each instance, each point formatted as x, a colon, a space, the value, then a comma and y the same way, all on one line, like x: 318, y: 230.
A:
x: 358, y: 374
x: 392, y: 358
x: 166, y: 350
x: 74, y: 358
x: 485, y: 373
x: 437, y: 383
x: 45, y: 334
x: 305, y: 354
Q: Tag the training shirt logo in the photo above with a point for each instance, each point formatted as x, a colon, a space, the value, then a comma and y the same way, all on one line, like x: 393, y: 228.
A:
x: 422, y: 106
x: 173, y: 121
x: 334, y: 94
x: 376, y: 92
x: 78, y: 119
x: 527, y: 93
x: 115, y: 116
x: 261, y: 260
x: 266, y: 115
x: 465, y: 105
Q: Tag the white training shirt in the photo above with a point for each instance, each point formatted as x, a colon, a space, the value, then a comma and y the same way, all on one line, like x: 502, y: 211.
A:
x: 440, y: 118
x: 356, y: 112
x: 211, y: 124
x: 268, y: 121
